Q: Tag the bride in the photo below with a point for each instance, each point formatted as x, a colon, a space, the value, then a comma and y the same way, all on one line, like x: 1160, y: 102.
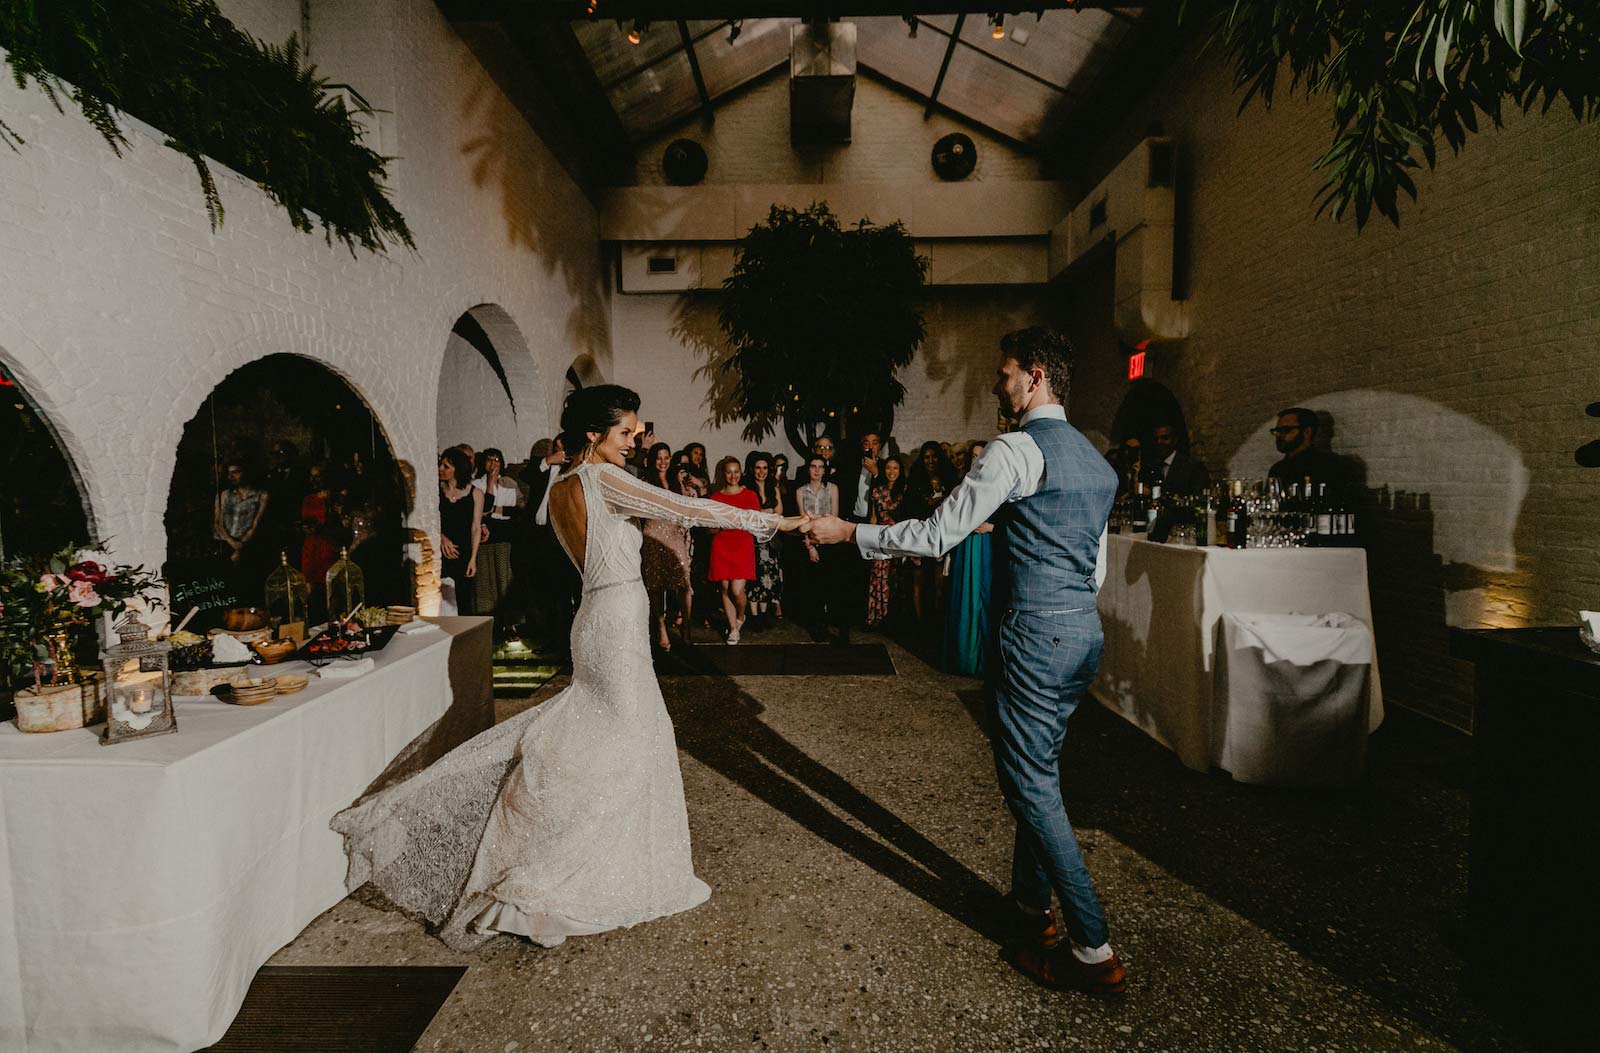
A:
x: 569, y: 818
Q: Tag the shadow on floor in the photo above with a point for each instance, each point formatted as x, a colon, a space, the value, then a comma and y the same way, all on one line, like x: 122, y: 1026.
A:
x: 1370, y: 883
x: 720, y: 726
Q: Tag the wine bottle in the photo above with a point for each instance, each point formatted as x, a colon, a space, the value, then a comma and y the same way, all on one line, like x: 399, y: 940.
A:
x: 1238, y: 517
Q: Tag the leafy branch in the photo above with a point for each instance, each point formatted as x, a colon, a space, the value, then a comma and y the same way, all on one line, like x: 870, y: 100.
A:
x: 216, y: 93
x: 1403, y: 73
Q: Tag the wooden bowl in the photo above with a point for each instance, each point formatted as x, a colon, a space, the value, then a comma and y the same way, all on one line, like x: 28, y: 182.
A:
x: 289, y: 683
x: 244, y: 619
x: 273, y: 651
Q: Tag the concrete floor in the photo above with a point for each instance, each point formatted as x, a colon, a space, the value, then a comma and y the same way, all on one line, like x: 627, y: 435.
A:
x: 850, y: 830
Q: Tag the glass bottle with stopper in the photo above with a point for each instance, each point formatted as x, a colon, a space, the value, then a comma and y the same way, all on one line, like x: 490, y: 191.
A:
x: 347, y: 587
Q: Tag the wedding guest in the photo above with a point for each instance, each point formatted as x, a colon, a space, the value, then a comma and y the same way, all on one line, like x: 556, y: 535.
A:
x: 285, y: 483
x: 822, y: 447
x: 1296, y: 435
x: 236, y: 519
x: 931, y: 479
x: 766, y: 588
x: 780, y: 476
x: 500, y: 499
x: 704, y: 597
x: 733, y: 552
x: 320, y: 525
x: 824, y: 605
x: 1170, y: 465
x: 460, y: 523
x: 958, y: 460
x: 697, y: 461
x: 966, y: 624
x: 548, y: 585
x: 885, y: 576
x: 665, y: 560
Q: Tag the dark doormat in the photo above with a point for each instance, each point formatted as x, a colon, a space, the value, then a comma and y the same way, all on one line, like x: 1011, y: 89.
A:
x: 715, y: 659
x: 307, y: 1008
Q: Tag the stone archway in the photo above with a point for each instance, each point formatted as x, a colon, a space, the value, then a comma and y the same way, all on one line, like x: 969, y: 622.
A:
x: 490, y: 392
x: 303, y: 434
x: 43, y: 504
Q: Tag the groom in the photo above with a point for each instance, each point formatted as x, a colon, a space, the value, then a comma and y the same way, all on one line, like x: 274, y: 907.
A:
x: 1049, y: 493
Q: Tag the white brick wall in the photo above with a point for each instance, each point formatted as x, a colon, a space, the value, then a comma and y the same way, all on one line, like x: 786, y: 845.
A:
x: 1455, y: 354
x: 120, y: 309
x: 660, y: 339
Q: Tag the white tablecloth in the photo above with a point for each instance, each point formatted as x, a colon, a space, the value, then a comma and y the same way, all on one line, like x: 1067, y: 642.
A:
x: 1160, y: 605
x: 144, y: 883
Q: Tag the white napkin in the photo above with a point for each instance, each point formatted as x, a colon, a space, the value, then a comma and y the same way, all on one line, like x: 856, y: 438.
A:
x: 1592, y: 620
x: 225, y: 649
x: 1303, y: 639
x: 347, y: 670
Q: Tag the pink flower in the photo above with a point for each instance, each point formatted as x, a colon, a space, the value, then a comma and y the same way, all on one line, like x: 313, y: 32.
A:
x: 50, y: 582
x: 82, y: 593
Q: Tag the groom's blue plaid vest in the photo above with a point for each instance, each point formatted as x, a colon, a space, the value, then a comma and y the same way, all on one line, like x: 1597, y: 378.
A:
x: 1048, y: 543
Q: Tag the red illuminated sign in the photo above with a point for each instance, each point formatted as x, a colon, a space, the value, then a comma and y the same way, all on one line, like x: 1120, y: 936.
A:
x: 1136, y: 365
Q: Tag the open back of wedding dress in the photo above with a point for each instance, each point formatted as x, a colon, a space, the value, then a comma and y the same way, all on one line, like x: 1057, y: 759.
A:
x: 569, y: 818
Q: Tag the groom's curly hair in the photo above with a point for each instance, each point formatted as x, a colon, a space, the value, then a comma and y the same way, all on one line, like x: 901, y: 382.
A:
x: 1040, y: 347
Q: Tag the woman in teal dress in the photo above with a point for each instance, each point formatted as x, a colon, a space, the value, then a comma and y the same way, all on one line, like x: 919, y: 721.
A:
x: 966, y: 622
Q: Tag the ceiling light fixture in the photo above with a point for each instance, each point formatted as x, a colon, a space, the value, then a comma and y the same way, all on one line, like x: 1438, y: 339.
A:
x: 735, y: 27
x: 640, y: 28
x: 911, y: 25
x: 999, y: 24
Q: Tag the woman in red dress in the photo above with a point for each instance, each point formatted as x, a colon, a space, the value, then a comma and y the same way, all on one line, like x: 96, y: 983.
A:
x: 319, y: 550
x: 733, y: 552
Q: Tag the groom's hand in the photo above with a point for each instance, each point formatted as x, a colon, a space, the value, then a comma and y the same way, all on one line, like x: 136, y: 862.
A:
x: 828, y: 530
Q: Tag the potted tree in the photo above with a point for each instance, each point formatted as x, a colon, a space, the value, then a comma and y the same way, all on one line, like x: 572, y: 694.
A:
x: 48, y: 607
x: 818, y: 318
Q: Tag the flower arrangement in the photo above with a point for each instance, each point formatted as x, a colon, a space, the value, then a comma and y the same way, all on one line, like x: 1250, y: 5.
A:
x: 45, y: 603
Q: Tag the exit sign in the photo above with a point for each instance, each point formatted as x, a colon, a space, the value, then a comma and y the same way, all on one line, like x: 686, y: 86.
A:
x: 1136, y: 365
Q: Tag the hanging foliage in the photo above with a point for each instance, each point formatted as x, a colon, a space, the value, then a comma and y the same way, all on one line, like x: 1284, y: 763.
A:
x: 1404, y: 73
x: 216, y: 93
x: 818, y: 319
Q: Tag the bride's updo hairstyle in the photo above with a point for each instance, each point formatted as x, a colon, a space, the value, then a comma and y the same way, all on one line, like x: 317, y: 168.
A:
x: 599, y: 408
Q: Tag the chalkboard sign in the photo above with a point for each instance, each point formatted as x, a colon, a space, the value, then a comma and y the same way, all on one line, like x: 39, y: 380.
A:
x: 210, y: 584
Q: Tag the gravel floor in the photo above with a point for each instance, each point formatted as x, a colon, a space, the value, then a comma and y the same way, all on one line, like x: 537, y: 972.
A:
x: 851, y: 833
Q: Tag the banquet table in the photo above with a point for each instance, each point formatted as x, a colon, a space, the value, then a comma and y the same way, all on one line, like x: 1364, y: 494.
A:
x: 1160, y: 605
x: 143, y: 883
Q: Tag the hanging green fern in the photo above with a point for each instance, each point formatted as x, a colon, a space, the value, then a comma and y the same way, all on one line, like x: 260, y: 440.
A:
x: 217, y: 94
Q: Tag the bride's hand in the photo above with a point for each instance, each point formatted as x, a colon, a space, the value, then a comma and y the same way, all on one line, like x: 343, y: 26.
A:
x: 789, y: 524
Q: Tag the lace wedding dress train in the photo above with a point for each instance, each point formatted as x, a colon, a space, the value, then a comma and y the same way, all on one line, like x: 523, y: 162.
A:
x: 569, y: 818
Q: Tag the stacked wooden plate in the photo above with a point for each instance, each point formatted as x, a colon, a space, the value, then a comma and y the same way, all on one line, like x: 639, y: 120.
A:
x: 245, y: 692
x: 399, y: 615
x: 289, y: 683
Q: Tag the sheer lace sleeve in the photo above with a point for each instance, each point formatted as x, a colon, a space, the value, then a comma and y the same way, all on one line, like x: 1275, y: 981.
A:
x: 627, y: 496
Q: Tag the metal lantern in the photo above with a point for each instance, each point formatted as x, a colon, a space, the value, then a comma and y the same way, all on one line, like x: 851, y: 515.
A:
x: 138, y: 704
x: 288, y: 593
x: 347, y: 586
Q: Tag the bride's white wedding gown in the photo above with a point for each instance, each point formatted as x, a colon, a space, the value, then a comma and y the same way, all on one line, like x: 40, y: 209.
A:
x: 569, y: 818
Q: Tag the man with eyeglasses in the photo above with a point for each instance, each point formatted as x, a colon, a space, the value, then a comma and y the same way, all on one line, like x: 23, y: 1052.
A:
x: 1295, y: 436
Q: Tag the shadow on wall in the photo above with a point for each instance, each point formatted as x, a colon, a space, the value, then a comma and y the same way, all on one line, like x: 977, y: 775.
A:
x: 1444, y: 495
x: 695, y: 326
x: 543, y: 211
x: 963, y: 343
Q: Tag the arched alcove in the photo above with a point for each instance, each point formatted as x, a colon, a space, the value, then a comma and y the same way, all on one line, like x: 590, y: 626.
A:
x: 489, y: 389
x: 42, y: 503
x: 1146, y: 404
x: 306, y: 438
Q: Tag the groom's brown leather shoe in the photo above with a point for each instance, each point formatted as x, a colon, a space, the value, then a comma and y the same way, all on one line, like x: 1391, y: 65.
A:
x: 1059, y: 969
x: 1041, y: 930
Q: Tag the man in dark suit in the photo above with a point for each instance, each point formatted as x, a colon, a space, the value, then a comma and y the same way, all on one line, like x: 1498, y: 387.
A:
x: 551, y: 583
x: 1169, y: 465
x: 855, y: 477
x: 1296, y: 438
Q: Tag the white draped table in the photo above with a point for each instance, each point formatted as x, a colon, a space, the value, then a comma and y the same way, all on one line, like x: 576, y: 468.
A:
x: 142, y: 884
x: 1160, y: 605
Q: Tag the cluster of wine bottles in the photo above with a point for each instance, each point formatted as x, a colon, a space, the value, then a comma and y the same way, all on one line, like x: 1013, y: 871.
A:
x: 1265, y: 516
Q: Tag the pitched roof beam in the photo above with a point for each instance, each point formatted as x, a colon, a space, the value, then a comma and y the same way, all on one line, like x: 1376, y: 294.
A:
x: 694, y: 65
x: 944, y: 67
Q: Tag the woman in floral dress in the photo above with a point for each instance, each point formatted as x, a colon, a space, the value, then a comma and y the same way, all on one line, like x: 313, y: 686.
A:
x: 766, y: 588
x: 883, y: 576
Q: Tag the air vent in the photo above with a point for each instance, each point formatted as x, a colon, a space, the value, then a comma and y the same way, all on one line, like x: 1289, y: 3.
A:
x: 662, y: 265
x: 1097, y: 214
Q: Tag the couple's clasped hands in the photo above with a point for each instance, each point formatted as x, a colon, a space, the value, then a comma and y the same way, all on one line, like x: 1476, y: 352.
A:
x: 822, y: 530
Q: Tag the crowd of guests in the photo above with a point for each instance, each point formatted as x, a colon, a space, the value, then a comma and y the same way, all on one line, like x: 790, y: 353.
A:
x: 305, y: 512
x: 502, y: 558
